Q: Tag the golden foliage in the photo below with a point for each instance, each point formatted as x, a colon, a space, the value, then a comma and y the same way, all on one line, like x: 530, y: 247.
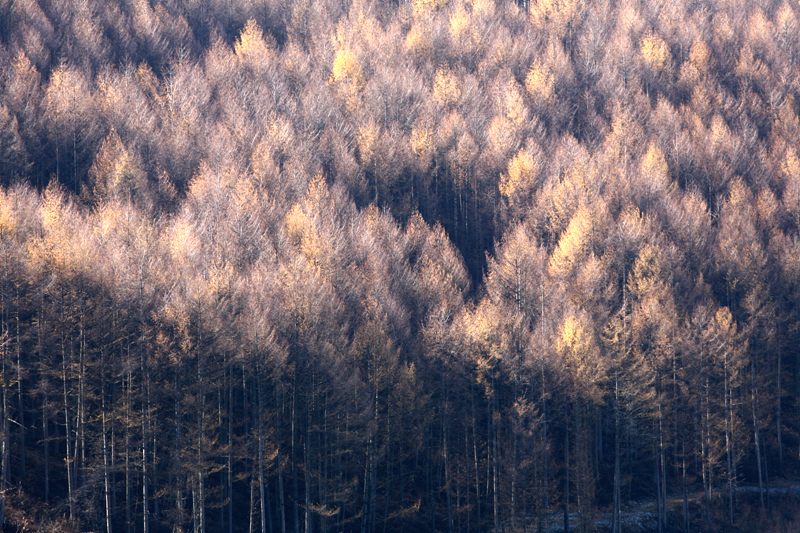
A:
x: 8, y: 219
x: 459, y: 22
x: 759, y: 28
x: 576, y: 343
x: 348, y: 77
x: 723, y: 28
x: 300, y: 229
x: 422, y: 144
x: 790, y: 171
x: 513, y: 105
x: 446, y: 87
x: 301, y: 222
x: 183, y: 242
x: 480, y: 327
x: 574, y: 245
x: 647, y: 272
x: 68, y: 96
x: 501, y: 134
x: 418, y: 42
x: 483, y: 8
x: 786, y: 22
x: 654, y: 168
x: 579, y: 185
x: 22, y: 82
x: 251, y: 46
x: 698, y: 66
x: 367, y: 141
x: 620, y: 142
x: 522, y: 172
x: 540, y: 81
x: 347, y: 69
x: 720, y: 134
x: 790, y: 168
x: 655, y: 52
x: 517, y: 272
x: 701, y: 105
x: 64, y: 247
x: 768, y: 209
x: 700, y: 56
x: 512, y: 116
x: 116, y: 171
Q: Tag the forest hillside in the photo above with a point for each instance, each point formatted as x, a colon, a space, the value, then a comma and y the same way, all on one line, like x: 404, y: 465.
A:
x: 362, y: 266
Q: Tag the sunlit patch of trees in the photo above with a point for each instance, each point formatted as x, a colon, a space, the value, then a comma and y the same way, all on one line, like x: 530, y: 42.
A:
x: 439, y: 265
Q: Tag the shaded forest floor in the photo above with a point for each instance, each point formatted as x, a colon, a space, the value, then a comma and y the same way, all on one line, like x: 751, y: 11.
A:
x: 781, y: 514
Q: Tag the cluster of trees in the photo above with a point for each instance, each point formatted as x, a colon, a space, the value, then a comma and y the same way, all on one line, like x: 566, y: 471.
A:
x: 443, y: 265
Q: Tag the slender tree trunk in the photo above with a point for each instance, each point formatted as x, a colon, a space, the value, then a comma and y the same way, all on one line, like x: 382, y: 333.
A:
x: 662, y: 461
x: 307, y: 461
x: 20, y: 404
x: 128, y: 393
x: 446, y: 457
x: 230, y: 449
x: 4, y: 452
x: 495, y: 500
x: 566, y: 477
x: 704, y: 443
x: 373, y: 490
x: 106, y: 480
x: 281, y: 500
x: 778, y: 401
x: 728, y: 443
x: 46, y: 445
x: 475, y: 458
x: 179, y: 476
x: 546, y: 450
x: 515, y: 430
x: 659, y: 502
x: 81, y: 433
x: 261, y: 489
x: 685, y: 490
x: 145, y: 472
x: 756, y: 432
x: 615, y: 523
x: 295, y: 487
x: 69, y: 464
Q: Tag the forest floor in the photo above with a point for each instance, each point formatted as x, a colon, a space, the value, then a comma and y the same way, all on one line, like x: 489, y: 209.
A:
x: 781, y: 516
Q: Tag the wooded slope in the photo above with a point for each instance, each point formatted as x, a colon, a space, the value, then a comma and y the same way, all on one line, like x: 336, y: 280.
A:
x: 366, y: 266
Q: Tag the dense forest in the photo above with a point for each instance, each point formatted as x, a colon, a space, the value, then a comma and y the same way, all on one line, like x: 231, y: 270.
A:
x: 368, y: 266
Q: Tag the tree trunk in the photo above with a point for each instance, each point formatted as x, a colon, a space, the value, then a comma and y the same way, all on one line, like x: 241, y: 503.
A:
x: 4, y: 442
x: 615, y: 522
x: 106, y: 480
x: 68, y: 461
x: 281, y: 499
x: 728, y: 443
x: 20, y: 404
x: 230, y: 450
x: 446, y: 457
x: 566, y: 477
x: 705, y: 427
x: 756, y: 432
x: 475, y: 459
x: 261, y: 488
x: 145, y: 472
x: 128, y: 392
